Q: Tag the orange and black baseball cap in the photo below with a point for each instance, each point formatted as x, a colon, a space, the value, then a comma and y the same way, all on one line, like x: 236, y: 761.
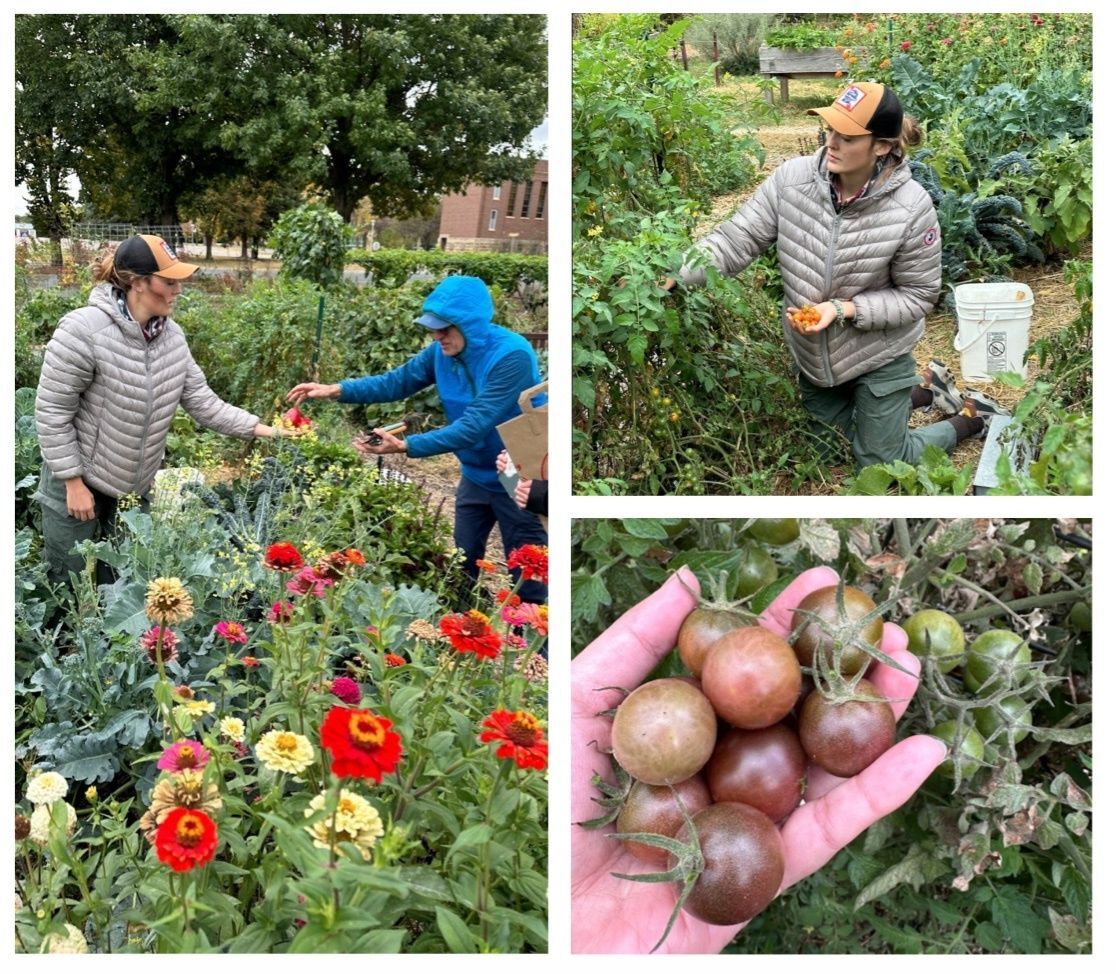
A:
x: 146, y: 254
x: 864, y: 108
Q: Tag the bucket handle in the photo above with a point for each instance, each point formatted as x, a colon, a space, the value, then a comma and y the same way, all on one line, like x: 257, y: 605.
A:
x: 985, y: 325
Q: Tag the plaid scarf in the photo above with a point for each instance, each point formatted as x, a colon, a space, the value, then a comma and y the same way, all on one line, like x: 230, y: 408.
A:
x: 154, y: 326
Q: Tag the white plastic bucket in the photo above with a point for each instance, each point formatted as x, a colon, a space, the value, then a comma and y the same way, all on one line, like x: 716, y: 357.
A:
x: 993, y: 326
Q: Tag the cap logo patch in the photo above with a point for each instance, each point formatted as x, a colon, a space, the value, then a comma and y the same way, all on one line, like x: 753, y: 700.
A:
x: 851, y: 97
x: 931, y: 236
x: 169, y: 252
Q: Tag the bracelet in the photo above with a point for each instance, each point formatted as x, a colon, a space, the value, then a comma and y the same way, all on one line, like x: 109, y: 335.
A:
x: 839, y: 305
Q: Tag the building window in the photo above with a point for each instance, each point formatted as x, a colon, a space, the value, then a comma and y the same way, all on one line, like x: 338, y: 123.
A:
x: 542, y: 201
x: 511, y: 199
x: 526, y: 211
x: 495, y: 192
x: 492, y: 220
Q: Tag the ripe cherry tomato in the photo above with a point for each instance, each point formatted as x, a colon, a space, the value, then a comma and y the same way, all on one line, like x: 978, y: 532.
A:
x: 815, y: 643
x: 763, y: 768
x: 844, y: 738
x: 701, y: 629
x: 751, y: 677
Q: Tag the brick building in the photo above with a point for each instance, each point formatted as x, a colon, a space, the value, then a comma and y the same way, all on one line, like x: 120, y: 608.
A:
x: 508, y: 217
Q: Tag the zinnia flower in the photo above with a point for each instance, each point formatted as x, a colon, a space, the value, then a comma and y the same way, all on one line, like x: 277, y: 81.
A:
x: 285, y: 751
x: 309, y: 582
x: 187, y: 789
x: 514, y: 641
x: 532, y: 560
x: 196, y: 709
x: 421, y: 629
x: 187, y: 838
x: 486, y: 566
x: 296, y: 419
x: 332, y: 567
x: 168, y: 602
x: 232, y: 728
x: 345, y: 689
x: 149, y: 642
x: 504, y: 597
x: 183, y: 692
x: 280, y: 613
x: 391, y: 659
x: 471, y: 632
x: 361, y: 744
x: 521, y: 736
x: 46, y: 787
x: 22, y: 827
x: 355, y: 821
x: 70, y: 942
x: 905, y: 46
x: 250, y: 661
x: 283, y: 557
x: 232, y: 632
x: 528, y: 614
x: 40, y: 822
x: 183, y: 756
x: 353, y: 557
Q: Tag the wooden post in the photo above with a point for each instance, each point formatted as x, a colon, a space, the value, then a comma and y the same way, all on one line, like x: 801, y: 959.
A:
x: 685, y: 57
x: 716, y: 58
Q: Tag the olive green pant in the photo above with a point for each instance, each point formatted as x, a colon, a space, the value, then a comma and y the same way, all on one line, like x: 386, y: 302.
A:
x: 61, y: 531
x: 872, y: 411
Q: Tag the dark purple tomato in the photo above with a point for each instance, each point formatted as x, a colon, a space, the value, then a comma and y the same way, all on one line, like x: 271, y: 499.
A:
x: 763, y: 768
x: 652, y: 808
x: 844, y: 738
x: 814, y: 640
x: 664, y: 732
x: 751, y: 677
x: 743, y: 854
x: 702, y: 628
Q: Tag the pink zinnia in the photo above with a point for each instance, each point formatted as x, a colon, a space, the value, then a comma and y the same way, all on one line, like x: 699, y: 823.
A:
x: 183, y: 756
x: 231, y: 632
x: 345, y: 690
x: 280, y: 613
x: 527, y: 614
x: 297, y: 419
x: 308, y: 582
x: 149, y: 642
x: 514, y: 641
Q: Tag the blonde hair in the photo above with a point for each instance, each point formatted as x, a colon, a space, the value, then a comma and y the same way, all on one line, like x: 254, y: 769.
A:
x: 104, y: 269
x: 909, y: 136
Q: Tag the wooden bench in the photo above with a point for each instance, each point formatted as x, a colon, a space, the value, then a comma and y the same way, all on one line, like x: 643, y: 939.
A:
x: 785, y: 63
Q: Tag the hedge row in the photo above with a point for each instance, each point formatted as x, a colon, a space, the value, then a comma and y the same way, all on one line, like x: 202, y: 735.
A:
x: 393, y: 267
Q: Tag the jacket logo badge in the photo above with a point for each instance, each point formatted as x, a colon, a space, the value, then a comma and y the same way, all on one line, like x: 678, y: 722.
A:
x: 931, y: 236
x: 851, y: 98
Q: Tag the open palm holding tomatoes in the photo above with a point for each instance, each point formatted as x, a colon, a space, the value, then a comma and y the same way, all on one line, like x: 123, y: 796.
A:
x: 613, y: 915
x: 812, y: 318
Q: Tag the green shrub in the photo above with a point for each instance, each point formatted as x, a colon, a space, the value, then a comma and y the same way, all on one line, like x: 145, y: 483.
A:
x: 391, y: 268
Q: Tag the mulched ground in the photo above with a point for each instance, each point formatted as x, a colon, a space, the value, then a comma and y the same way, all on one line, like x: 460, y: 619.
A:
x: 795, y: 134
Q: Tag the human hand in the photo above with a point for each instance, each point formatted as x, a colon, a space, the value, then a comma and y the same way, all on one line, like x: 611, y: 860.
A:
x: 611, y: 915
x: 313, y: 390
x: 522, y: 490
x: 501, y: 460
x: 79, y: 500
x: 828, y: 316
x: 387, y: 444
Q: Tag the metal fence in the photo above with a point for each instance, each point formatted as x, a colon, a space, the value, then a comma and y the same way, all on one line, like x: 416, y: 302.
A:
x: 178, y: 234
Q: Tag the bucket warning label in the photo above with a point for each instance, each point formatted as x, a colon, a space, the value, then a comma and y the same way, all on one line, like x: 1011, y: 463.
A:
x: 997, y: 351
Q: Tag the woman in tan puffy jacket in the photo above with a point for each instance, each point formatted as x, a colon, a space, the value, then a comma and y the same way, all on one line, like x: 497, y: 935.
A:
x: 113, y: 375
x: 858, y: 241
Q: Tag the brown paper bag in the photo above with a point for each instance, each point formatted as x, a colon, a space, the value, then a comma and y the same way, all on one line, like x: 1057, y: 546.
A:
x: 525, y: 436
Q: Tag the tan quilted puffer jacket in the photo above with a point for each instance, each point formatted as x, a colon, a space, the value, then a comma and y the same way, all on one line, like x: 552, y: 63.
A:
x: 882, y: 252
x: 106, y: 398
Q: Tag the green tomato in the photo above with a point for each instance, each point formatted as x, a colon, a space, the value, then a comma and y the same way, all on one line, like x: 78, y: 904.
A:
x: 933, y: 634
x: 1081, y: 617
x: 1013, y: 716
x: 774, y: 530
x: 971, y: 749
x: 756, y: 570
x: 997, y: 659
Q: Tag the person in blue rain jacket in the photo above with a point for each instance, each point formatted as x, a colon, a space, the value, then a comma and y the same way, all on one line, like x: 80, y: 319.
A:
x: 480, y: 369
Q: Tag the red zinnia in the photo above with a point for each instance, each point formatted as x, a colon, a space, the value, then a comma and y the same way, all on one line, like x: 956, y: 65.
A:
x: 522, y: 737
x: 283, y: 557
x: 186, y: 838
x: 504, y: 597
x: 231, y: 632
x: 362, y: 744
x: 353, y: 556
x: 249, y: 661
x: 532, y: 560
x: 280, y: 612
x: 486, y: 566
x: 391, y: 659
x: 471, y: 632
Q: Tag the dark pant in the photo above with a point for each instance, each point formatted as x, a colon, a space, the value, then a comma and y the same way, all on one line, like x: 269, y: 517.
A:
x: 61, y: 531
x: 478, y: 510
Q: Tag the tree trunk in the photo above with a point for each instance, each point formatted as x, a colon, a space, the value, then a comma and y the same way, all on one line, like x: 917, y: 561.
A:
x: 209, y: 246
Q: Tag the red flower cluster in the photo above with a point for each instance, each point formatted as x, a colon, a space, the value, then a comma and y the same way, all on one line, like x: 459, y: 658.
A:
x: 471, y: 632
x: 283, y: 557
x: 532, y: 560
x: 521, y: 736
x: 345, y: 689
x: 506, y: 598
x: 168, y: 650
x: 391, y: 659
x: 186, y: 838
x: 297, y: 418
x: 361, y: 744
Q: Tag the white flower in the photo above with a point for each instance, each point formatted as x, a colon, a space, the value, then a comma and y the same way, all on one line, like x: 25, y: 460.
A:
x: 72, y: 942
x: 232, y: 728
x: 46, y: 787
x: 40, y: 822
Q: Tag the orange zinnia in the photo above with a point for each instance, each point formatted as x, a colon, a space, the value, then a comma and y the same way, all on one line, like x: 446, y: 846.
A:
x: 521, y: 736
x: 362, y: 744
x: 186, y: 838
x: 471, y: 632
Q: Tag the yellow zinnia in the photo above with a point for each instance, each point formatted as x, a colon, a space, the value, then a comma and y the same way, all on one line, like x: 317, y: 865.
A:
x: 281, y: 750
x: 232, y: 728
x: 356, y: 821
x: 168, y: 602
